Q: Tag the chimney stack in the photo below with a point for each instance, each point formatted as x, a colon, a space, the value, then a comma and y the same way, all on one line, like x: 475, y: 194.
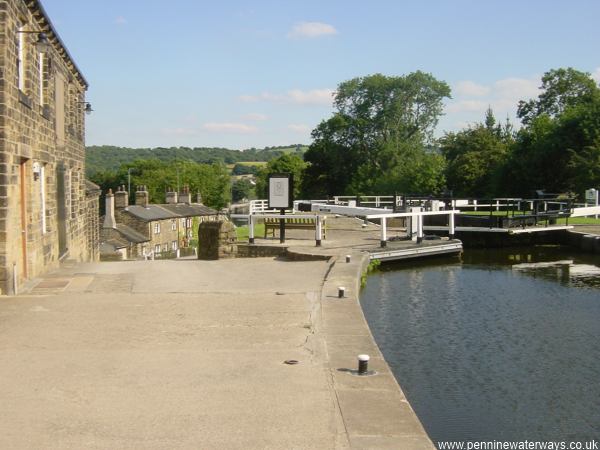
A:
x: 199, y: 198
x: 141, y: 196
x: 121, y: 198
x: 171, y: 196
x: 185, y: 196
x: 109, y: 216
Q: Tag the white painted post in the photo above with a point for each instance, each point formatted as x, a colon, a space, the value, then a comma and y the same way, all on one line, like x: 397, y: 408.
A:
x: 318, y: 231
x: 451, y: 226
x: 419, y: 229
x: 250, y: 229
x: 383, y: 231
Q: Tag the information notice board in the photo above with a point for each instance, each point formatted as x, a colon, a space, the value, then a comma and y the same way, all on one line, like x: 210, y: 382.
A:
x: 281, y: 189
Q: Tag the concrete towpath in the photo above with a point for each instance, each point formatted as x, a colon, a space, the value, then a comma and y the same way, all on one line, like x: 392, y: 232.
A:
x: 190, y: 354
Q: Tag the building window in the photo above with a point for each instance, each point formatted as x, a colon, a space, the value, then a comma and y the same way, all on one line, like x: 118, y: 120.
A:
x: 59, y: 107
x: 43, y: 197
x: 42, y: 77
x: 190, y: 234
x: 166, y: 247
x: 157, y: 248
x: 174, y: 245
x: 21, y: 58
x: 183, y: 223
x: 174, y: 224
x: 156, y: 227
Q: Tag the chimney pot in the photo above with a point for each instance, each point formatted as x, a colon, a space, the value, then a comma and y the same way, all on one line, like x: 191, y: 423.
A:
x: 121, y: 198
x: 141, y: 197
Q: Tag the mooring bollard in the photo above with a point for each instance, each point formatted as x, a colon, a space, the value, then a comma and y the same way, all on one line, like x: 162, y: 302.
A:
x: 348, y: 258
x: 363, y: 364
x: 341, y: 291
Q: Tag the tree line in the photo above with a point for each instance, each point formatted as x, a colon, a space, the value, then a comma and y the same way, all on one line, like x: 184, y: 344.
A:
x: 110, y: 158
x: 380, y: 141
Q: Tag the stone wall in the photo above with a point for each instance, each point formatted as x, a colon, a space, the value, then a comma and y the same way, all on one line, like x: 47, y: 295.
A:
x: 589, y: 243
x: 41, y: 146
x: 217, y: 240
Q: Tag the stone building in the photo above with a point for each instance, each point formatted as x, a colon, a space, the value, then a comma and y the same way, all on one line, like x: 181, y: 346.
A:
x: 146, y: 230
x: 46, y: 206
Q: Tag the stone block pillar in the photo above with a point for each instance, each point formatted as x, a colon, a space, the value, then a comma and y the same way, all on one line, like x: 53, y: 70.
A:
x: 216, y: 240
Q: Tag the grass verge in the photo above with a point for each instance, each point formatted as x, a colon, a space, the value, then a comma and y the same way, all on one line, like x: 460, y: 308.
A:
x: 242, y: 232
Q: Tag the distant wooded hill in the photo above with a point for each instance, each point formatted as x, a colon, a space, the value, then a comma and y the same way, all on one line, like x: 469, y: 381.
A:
x: 109, y: 158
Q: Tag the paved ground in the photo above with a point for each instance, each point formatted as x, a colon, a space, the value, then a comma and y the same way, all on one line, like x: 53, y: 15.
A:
x: 167, y: 354
x: 190, y: 354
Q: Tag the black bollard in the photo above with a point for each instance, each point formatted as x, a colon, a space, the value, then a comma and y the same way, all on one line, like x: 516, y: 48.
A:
x: 363, y: 364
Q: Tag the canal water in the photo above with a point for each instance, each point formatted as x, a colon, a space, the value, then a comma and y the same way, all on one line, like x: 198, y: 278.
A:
x: 498, y: 345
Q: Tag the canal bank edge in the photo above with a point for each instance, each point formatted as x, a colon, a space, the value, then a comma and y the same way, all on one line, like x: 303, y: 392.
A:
x: 374, y: 410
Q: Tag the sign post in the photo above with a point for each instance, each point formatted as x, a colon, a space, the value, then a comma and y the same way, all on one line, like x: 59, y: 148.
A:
x: 281, y: 196
x: 591, y: 197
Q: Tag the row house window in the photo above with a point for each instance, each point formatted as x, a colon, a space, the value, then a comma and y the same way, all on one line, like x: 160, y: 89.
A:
x: 68, y: 100
x: 21, y: 58
x: 157, y: 248
x: 156, y: 227
x: 174, y: 224
x: 43, y: 65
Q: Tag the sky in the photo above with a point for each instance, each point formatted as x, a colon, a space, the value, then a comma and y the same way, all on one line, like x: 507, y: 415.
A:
x: 242, y: 74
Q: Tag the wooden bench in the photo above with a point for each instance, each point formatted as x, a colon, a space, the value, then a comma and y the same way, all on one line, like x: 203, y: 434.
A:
x: 294, y: 223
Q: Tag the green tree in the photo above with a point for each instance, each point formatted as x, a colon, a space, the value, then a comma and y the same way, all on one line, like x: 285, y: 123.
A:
x: 557, y: 148
x: 380, y: 123
x: 242, y: 189
x: 286, y: 163
x: 561, y: 89
x: 476, y: 156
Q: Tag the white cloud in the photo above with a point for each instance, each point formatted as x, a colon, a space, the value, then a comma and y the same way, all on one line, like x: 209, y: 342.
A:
x: 596, y: 75
x: 299, y: 128
x: 309, y: 30
x: 181, y: 131
x: 120, y: 20
x: 314, y: 97
x: 229, y: 127
x: 467, y: 106
x: 255, y: 116
x: 471, y: 89
x: 517, y: 88
x: 502, y: 96
x: 296, y: 96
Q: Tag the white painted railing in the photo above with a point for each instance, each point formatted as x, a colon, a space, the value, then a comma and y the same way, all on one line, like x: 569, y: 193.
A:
x: 262, y: 207
x: 418, y: 215
x: 374, y: 201
x: 252, y: 219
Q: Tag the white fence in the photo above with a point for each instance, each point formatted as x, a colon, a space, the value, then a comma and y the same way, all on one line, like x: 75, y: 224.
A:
x: 251, y: 218
x: 414, y: 215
